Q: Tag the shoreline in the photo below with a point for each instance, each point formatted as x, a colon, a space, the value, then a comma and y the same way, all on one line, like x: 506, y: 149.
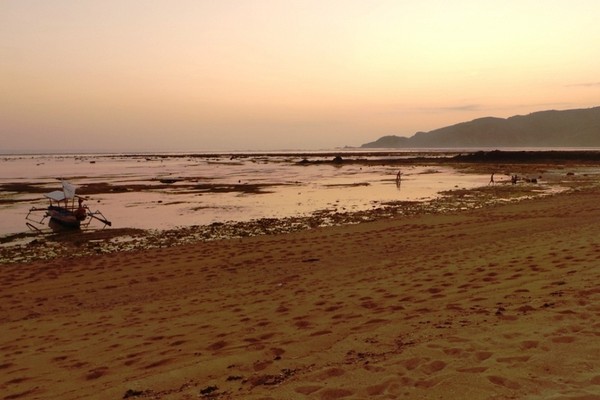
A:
x: 48, y: 246
x: 495, y: 302
x: 163, y: 193
x: 577, y: 164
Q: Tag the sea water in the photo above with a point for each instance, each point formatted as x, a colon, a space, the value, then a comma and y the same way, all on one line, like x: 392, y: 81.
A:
x: 214, y: 188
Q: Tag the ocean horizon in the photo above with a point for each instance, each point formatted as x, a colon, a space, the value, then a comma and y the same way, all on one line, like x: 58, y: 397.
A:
x: 345, y: 149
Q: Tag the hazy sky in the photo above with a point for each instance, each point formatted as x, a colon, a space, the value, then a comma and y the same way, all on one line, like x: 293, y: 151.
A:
x: 195, y: 75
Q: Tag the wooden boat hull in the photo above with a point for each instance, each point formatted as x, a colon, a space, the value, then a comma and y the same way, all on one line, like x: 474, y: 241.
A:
x: 64, y: 217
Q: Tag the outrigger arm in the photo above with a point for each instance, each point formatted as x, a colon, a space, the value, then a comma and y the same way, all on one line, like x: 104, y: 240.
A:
x: 34, y: 209
x: 101, y: 219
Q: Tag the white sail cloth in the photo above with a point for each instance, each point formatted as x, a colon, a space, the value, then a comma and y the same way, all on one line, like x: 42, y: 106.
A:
x: 68, y: 192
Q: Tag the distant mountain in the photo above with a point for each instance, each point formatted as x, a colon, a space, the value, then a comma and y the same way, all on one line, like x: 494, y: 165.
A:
x: 569, y: 128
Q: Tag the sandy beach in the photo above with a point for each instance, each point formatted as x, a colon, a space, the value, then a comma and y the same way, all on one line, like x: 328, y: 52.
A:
x: 307, y: 200
x: 501, y: 302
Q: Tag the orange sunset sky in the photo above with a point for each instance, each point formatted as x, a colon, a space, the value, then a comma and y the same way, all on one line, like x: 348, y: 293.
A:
x: 194, y: 75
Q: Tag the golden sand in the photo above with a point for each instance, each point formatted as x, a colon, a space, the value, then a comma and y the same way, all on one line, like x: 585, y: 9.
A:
x: 498, y: 303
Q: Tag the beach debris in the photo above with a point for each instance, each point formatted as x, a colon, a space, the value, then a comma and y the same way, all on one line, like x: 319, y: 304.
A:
x: 132, y: 393
x: 208, y: 391
x: 354, y: 357
x: 169, y: 180
x: 271, y: 380
x: 96, y: 373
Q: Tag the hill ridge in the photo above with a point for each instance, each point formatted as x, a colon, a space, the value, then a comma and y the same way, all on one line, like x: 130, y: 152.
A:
x: 550, y: 128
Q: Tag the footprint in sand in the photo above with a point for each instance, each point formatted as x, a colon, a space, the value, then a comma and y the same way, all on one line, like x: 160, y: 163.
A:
x: 513, y: 360
x: 159, y: 363
x: 483, y: 355
x: 501, y: 381
x: 96, y: 373
x: 454, y: 351
x: 529, y: 344
x: 472, y: 370
x: 217, y: 345
x: 389, y: 386
x: 433, y: 367
x: 307, y: 390
x: 563, y: 339
x: 426, y: 383
x: 18, y: 380
x: 412, y: 363
x: 328, y: 374
x: 331, y: 394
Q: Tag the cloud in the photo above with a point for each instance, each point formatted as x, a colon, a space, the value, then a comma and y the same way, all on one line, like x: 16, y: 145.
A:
x: 586, y: 84
x: 463, y: 107
x: 542, y: 106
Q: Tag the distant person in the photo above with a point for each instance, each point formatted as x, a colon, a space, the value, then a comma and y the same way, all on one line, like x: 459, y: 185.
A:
x: 491, y: 179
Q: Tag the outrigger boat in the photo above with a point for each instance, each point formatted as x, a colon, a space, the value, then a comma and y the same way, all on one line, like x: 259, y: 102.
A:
x: 63, y: 211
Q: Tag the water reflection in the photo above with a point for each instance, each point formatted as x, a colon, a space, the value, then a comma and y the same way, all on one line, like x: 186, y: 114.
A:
x: 399, y: 179
x: 59, y: 228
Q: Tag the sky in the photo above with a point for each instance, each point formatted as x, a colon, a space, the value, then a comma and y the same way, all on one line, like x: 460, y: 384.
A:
x: 199, y: 75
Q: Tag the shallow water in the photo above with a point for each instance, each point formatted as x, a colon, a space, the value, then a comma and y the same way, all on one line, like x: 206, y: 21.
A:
x: 217, y: 188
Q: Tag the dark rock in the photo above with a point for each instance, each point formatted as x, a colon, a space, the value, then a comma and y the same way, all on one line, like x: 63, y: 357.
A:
x: 132, y: 393
x: 208, y: 390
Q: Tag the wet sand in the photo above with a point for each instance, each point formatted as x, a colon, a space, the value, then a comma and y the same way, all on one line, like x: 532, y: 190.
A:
x: 500, y: 302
